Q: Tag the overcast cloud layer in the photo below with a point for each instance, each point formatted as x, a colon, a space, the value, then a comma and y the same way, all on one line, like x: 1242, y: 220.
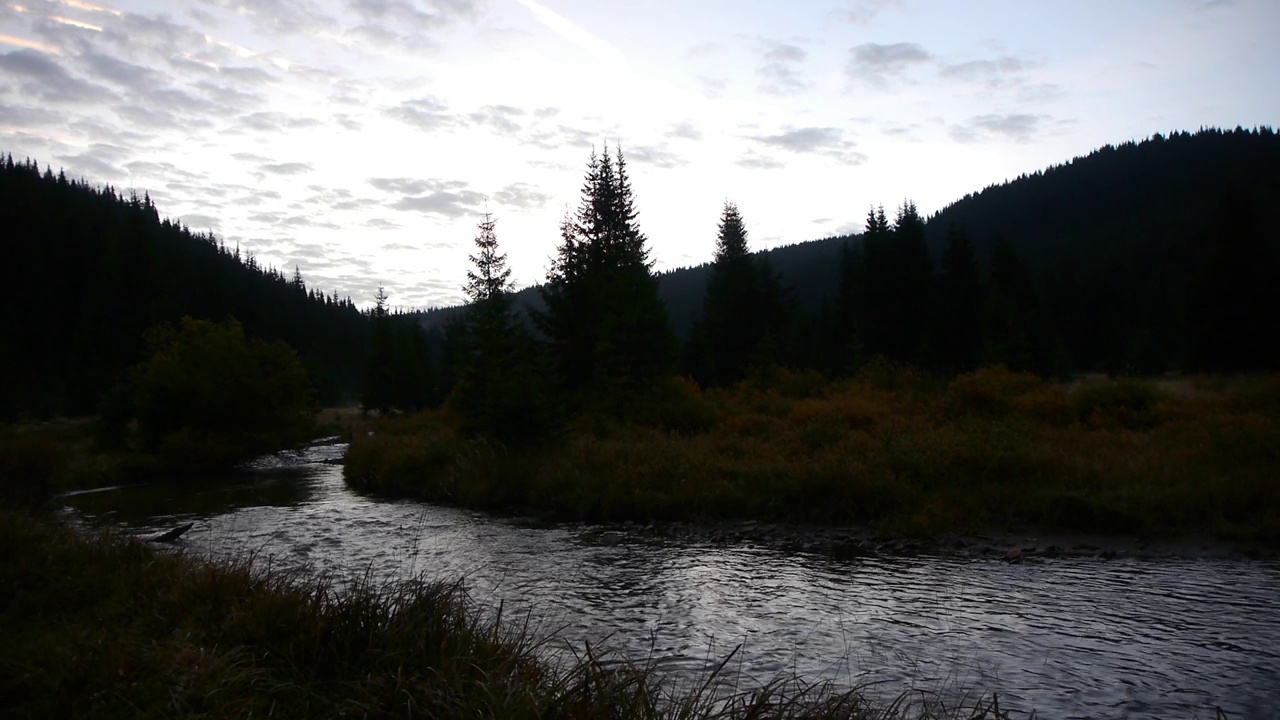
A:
x: 362, y: 140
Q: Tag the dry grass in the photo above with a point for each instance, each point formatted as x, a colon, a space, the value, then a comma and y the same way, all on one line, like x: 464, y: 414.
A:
x: 96, y: 626
x: 889, y: 448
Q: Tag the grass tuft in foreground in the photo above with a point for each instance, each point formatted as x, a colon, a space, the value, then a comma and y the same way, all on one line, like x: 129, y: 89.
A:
x: 102, y: 627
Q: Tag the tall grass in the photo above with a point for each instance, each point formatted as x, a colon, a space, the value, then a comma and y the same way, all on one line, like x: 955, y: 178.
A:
x: 96, y: 626
x: 890, y: 448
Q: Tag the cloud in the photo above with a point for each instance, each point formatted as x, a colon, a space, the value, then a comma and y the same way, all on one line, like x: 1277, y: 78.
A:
x: 425, y: 113
x: 124, y: 74
x: 279, y: 17
x: 712, y: 87
x: 445, y: 203
x: 756, y: 161
x: 876, y: 64
x: 826, y: 141
x: 864, y: 11
x: 521, y: 195
x: 1019, y: 127
x: 685, y: 130
x: 425, y: 16
x: 20, y: 116
x: 779, y: 72
x: 274, y: 122
x: 200, y: 222
x: 286, y: 168
x: 503, y: 118
x: 410, y: 186
x: 91, y: 164
x: 561, y: 136
x: 44, y: 78
x: 449, y: 198
x: 655, y: 155
x: 993, y: 73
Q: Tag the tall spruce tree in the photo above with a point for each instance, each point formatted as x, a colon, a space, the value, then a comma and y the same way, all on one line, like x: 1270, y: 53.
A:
x: 606, y: 326
x: 744, y: 311
x: 501, y: 392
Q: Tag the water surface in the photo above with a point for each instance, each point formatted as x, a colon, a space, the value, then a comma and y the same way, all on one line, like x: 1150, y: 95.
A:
x: 1067, y: 637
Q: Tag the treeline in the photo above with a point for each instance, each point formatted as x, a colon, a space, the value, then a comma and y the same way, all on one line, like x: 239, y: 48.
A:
x: 89, y: 270
x: 1140, y: 258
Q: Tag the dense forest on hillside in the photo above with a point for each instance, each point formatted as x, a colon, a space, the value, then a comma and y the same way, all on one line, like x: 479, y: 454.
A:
x: 1133, y: 256
x: 88, y: 271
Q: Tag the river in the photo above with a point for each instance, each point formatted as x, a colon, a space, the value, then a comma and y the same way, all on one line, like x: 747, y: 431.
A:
x: 1131, y: 637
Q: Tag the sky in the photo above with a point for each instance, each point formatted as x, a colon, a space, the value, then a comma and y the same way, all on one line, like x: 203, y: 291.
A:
x: 363, y: 140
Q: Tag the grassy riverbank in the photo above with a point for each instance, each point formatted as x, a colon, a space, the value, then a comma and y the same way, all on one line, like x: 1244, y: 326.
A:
x: 891, y: 449
x: 96, y: 626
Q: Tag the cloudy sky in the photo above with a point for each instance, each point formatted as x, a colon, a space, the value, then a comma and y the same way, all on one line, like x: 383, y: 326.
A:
x: 361, y: 140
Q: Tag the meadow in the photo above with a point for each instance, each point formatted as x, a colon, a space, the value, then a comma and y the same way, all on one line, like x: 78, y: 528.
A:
x: 891, y: 450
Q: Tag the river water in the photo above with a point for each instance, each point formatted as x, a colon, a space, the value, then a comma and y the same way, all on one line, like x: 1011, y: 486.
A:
x: 1164, y: 637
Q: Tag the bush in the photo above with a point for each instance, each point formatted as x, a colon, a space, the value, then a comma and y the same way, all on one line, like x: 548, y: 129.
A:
x: 27, y: 464
x: 1126, y: 403
x: 675, y: 405
x: 989, y: 392
x: 208, y: 397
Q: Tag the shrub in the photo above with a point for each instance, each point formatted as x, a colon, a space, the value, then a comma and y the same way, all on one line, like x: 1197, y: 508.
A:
x: 1126, y: 403
x: 208, y: 397
x: 989, y: 392
x: 675, y: 405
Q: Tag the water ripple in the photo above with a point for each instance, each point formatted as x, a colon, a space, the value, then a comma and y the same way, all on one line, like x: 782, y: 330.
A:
x: 1068, y: 637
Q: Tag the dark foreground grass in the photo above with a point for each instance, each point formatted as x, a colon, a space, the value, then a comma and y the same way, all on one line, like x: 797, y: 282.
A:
x: 102, y: 627
x: 890, y: 449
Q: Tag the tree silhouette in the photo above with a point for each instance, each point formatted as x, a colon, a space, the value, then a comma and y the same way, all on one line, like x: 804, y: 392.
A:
x: 502, y: 391
x: 744, y: 312
x: 607, y: 329
x: 957, y: 320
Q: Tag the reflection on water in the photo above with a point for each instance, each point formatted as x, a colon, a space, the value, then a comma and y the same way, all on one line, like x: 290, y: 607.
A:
x: 1070, y: 637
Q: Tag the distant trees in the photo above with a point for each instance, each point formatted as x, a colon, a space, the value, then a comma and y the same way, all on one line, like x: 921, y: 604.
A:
x: 886, y: 287
x: 957, y: 325
x: 606, y: 327
x: 398, y: 367
x: 744, y: 311
x: 88, y: 270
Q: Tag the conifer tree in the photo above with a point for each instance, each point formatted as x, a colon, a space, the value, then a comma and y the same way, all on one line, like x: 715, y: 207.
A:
x: 606, y: 326
x: 957, y: 327
x: 744, y: 311
x: 378, y: 392
x: 501, y: 391
x: 1009, y: 310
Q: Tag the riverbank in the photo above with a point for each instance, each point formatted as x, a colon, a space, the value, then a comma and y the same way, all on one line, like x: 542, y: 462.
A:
x: 906, y: 457
x: 109, y: 627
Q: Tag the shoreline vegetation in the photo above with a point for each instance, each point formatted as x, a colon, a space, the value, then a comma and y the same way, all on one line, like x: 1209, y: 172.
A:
x: 105, y: 626
x: 890, y: 450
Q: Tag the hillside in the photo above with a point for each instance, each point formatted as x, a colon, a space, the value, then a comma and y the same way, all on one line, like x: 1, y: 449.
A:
x: 1116, y: 240
x: 88, y: 271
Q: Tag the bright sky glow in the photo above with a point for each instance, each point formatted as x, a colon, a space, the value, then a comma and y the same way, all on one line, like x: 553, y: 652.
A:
x: 362, y: 140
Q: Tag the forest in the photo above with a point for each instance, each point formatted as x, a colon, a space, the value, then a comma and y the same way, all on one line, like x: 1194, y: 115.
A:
x: 1142, y: 259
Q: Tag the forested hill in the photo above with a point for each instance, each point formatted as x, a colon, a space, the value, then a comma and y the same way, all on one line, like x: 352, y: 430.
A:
x: 87, y: 271
x: 1162, y: 191
x: 1121, y: 231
